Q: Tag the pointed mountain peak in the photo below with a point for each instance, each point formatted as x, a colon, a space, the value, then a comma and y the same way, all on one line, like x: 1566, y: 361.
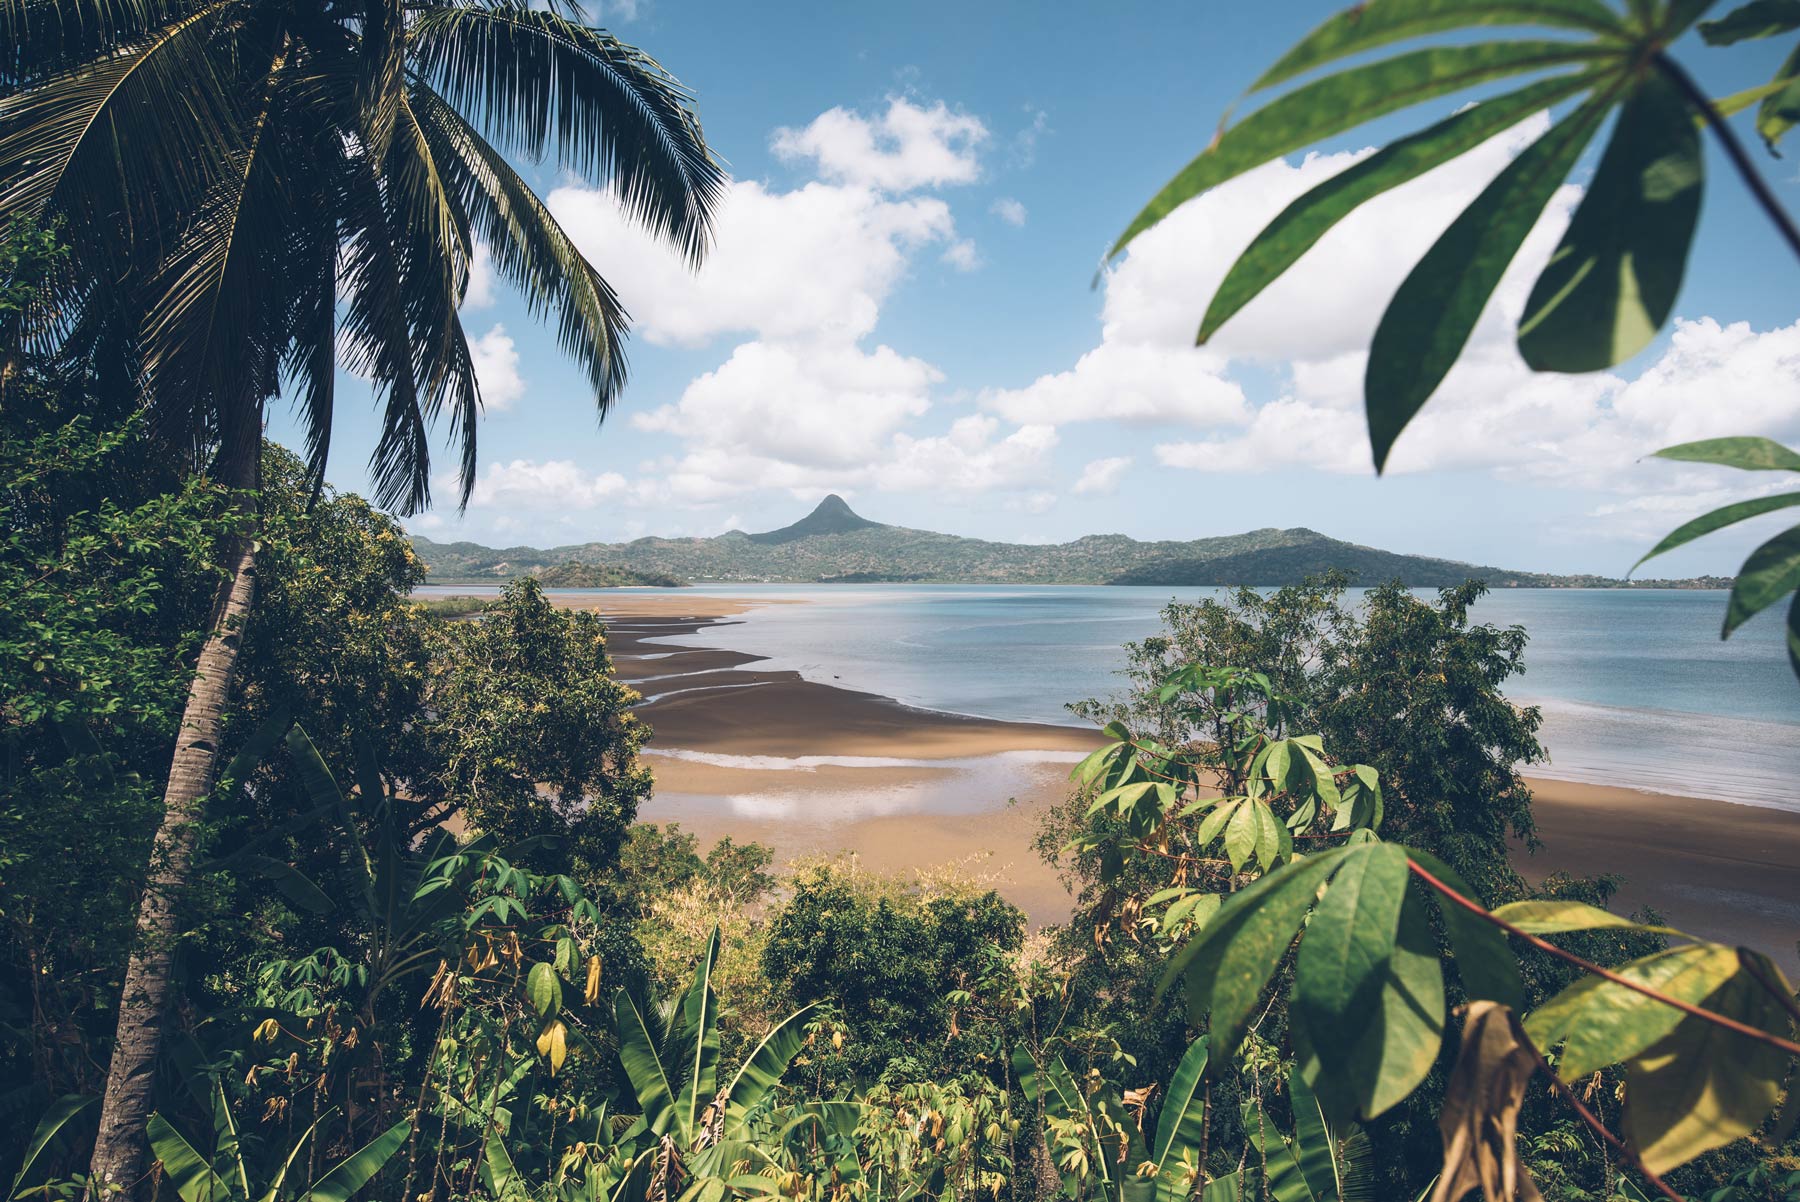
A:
x: 833, y: 515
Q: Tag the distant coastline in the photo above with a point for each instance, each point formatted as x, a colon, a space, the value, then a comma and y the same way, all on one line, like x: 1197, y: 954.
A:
x: 835, y: 545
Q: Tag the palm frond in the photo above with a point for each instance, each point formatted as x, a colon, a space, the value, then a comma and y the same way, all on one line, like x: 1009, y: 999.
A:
x: 377, y: 343
x: 530, y: 250
x: 42, y: 38
x: 216, y: 317
x: 534, y: 79
x: 124, y: 149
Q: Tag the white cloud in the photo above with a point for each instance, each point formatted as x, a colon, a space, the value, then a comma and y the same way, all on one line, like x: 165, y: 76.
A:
x: 1102, y: 475
x: 905, y: 148
x: 480, y: 291
x: 1129, y: 382
x: 496, y: 361
x: 548, y: 485
x: 1008, y: 210
x: 825, y: 406
x: 969, y: 458
x: 962, y: 255
x: 815, y: 263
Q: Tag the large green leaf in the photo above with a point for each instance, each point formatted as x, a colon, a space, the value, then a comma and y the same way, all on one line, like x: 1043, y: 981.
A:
x: 1771, y: 573
x: 356, y: 1170
x: 763, y: 1069
x: 1343, y: 960
x: 498, y: 1173
x: 1793, y: 634
x: 1781, y: 109
x: 1484, y: 961
x: 1227, y: 965
x: 61, y: 1113
x: 1606, y: 1023
x: 1612, y: 282
x: 1436, y: 308
x: 543, y: 990
x: 1704, y: 1085
x: 1748, y: 454
x: 649, y: 1078
x: 1556, y: 917
x: 700, y: 1036
x: 1183, y: 1119
x: 1370, y: 1050
x: 317, y: 780
x: 1757, y: 19
x: 1366, y: 26
x: 1718, y: 519
x: 1312, y: 1143
x: 1348, y: 99
x: 187, y: 1170
x: 293, y: 884
x: 1299, y: 226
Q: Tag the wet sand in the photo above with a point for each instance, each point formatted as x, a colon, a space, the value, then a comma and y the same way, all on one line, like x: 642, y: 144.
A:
x: 809, y: 768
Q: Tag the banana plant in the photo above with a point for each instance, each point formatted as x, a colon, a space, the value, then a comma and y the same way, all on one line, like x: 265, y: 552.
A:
x: 701, y: 1133
x: 1100, y: 1137
x: 224, y: 1176
x: 1320, y: 1161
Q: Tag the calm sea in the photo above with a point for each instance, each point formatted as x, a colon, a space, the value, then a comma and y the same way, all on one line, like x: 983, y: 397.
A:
x: 1636, y: 687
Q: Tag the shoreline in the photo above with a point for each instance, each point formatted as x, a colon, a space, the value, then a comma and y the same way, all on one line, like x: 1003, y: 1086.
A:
x: 813, y: 768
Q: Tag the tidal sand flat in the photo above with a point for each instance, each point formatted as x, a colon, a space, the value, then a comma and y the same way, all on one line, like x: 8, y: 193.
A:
x: 809, y: 767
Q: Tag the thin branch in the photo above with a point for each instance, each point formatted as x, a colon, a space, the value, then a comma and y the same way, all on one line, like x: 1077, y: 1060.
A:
x: 1544, y: 945
x: 1599, y: 1128
x: 1734, y: 149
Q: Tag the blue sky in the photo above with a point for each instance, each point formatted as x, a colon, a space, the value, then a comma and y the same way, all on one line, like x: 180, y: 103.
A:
x: 899, y: 310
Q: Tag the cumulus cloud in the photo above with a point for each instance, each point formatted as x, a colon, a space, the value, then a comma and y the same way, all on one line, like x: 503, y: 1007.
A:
x: 480, y: 292
x: 1008, y: 210
x: 548, y: 486
x: 907, y: 147
x: 1102, y: 475
x: 496, y: 361
x: 962, y: 255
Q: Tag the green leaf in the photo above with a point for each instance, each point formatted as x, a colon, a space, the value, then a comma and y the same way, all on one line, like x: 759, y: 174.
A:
x: 1348, y: 99
x: 649, y: 1079
x: 293, y: 884
x: 1366, y: 26
x: 1431, y: 316
x: 1312, y: 1143
x: 1612, y: 282
x: 1227, y: 965
x: 1749, y: 454
x: 316, y: 779
x: 187, y: 1170
x: 543, y: 990
x: 1555, y: 917
x: 1484, y: 961
x: 1758, y: 19
x: 1183, y: 1118
x: 1240, y: 835
x: 1704, y: 1085
x: 1405, y: 1034
x: 1793, y: 635
x: 61, y: 1113
x: 763, y: 1069
x: 1606, y: 1023
x: 1781, y: 109
x: 1718, y: 519
x: 1343, y: 961
x: 1771, y: 573
x: 1299, y: 226
x: 255, y: 750
x: 359, y: 1168
x: 700, y: 1033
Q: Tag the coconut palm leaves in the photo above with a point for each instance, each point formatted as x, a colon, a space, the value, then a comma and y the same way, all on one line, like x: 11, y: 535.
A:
x: 1611, y: 283
x: 254, y: 189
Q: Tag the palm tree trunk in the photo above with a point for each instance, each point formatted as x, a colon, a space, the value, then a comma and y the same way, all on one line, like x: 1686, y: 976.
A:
x: 117, y: 1171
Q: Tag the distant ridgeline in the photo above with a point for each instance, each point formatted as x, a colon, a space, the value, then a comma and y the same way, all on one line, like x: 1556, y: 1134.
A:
x: 834, y: 545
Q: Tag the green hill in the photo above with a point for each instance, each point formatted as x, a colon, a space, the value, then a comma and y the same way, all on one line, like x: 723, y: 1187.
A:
x: 834, y: 544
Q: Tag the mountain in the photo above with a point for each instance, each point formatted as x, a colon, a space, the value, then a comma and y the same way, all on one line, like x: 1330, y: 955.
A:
x: 832, y: 516
x: 834, y: 544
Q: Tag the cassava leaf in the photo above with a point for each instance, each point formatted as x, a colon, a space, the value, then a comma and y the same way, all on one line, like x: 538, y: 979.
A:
x: 1749, y: 454
x: 1431, y: 316
x: 1605, y: 1023
x: 1718, y: 519
x: 1484, y: 961
x: 1771, y: 573
x: 1612, y: 282
x: 1554, y: 917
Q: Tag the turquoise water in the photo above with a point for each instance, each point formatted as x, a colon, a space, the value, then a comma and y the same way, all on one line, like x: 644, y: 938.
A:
x: 1636, y: 687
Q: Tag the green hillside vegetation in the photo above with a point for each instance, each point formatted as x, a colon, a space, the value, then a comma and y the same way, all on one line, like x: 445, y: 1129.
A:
x: 835, y: 545
x: 601, y: 575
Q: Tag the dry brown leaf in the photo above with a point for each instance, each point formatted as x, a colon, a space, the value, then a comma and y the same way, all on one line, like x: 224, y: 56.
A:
x: 1480, y: 1118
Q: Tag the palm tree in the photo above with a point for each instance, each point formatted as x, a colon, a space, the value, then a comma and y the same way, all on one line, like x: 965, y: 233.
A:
x: 254, y: 190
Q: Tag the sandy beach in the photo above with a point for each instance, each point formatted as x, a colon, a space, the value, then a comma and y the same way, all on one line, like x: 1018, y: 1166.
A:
x: 808, y: 768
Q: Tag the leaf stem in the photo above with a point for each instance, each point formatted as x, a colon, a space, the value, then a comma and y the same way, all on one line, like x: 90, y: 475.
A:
x: 1599, y: 1128
x: 1544, y: 945
x: 1734, y: 149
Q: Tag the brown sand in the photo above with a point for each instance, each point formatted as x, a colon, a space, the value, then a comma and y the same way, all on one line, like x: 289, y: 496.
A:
x: 1721, y: 871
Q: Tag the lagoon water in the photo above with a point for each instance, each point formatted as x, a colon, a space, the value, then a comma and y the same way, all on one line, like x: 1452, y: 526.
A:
x: 1636, y: 687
